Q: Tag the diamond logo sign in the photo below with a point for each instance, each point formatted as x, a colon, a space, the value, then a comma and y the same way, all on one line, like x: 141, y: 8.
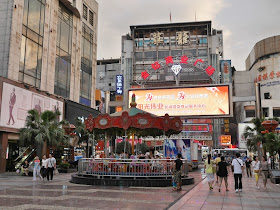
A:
x: 176, y: 69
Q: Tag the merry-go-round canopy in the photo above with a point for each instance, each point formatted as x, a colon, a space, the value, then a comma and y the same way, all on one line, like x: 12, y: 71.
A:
x: 134, y: 118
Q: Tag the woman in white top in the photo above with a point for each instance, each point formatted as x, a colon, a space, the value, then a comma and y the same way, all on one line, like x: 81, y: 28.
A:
x: 44, y: 167
x: 256, y: 170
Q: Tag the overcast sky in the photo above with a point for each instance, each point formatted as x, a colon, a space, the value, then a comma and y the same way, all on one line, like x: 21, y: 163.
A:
x: 244, y: 22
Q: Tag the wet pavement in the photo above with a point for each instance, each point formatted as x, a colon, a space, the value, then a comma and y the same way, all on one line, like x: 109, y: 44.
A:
x: 20, y: 192
x: 200, y: 197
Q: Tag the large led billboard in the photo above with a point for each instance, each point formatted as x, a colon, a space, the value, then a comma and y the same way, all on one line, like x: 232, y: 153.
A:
x: 198, y: 101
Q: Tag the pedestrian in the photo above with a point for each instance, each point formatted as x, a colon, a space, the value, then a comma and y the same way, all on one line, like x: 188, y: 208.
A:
x: 248, y: 163
x: 177, y: 172
x: 271, y: 162
x: 237, y: 168
x: 222, y: 172
x: 264, y: 169
x: 25, y: 168
x: 36, y: 169
x: 256, y: 169
x: 51, y: 166
x: 44, y: 167
x: 208, y: 168
x: 217, y: 160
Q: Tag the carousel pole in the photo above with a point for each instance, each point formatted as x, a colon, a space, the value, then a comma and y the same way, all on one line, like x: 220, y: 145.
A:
x: 124, y: 141
x: 132, y: 148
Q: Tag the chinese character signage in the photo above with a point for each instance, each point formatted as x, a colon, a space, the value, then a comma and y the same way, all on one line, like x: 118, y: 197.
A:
x: 225, y: 140
x: 119, y: 85
x: 226, y: 126
x: 185, y: 101
x: 226, y: 71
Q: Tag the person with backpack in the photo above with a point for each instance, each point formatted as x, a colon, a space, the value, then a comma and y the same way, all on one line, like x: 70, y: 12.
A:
x: 237, y: 168
x: 51, y: 166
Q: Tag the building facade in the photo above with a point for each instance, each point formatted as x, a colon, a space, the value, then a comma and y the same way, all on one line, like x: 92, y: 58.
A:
x: 262, y: 67
x: 147, y: 44
x: 47, y: 51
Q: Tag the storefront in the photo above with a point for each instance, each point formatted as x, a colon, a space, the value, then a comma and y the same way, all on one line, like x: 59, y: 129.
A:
x: 15, y: 101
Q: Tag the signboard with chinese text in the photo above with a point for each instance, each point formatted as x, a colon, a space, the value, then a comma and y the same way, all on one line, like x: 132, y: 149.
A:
x: 199, y: 101
x: 225, y: 140
x: 226, y: 71
x: 119, y: 84
x: 226, y: 126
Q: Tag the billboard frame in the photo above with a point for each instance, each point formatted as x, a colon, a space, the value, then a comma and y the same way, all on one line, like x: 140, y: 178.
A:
x: 230, y: 100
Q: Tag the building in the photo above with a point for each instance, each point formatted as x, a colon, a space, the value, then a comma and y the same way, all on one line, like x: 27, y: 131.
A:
x: 262, y: 67
x: 147, y: 44
x: 106, y: 81
x: 48, y: 46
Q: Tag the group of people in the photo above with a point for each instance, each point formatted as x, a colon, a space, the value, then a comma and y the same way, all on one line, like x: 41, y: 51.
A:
x: 221, y: 167
x: 43, y: 170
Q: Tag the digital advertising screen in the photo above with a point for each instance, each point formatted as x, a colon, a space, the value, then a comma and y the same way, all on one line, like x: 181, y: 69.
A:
x: 198, y: 101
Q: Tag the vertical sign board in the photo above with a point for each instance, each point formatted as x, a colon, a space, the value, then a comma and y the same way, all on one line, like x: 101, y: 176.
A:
x: 241, y: 139
x: 119, y: 84
x: 226, y: 71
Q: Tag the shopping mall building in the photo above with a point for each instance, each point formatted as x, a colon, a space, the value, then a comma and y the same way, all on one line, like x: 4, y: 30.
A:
x: 47, y: 61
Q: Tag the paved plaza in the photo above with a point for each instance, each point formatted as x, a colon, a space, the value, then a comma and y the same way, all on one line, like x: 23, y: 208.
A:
x: 19, y: 192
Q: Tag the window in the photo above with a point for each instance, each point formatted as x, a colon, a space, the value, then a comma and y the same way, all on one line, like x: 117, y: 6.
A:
x: 85, y: 12
x: 91, y: 18
x: 202, y: 52
x: 162, y: 55
x: 265, y: 112
x: 176, y: 53
x: 31, y: 43
x: 250, y: 113
x: 63, y: 52
x: 86, y: 65
x: 150, y: 56
x: 276, y: 112
x: 190, y: 53
x: 138, y: 56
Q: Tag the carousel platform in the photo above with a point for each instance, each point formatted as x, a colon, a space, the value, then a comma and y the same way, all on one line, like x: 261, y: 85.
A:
x: 112, y: 172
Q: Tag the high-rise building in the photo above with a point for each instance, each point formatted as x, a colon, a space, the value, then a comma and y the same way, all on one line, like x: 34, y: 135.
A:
x: 147, y: 44
x: 47, y: 54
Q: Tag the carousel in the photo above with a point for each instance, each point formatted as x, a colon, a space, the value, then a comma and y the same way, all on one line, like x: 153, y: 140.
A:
x: 133, y: 171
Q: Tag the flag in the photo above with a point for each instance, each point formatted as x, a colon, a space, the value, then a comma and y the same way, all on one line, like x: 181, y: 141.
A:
x: 170, y: 17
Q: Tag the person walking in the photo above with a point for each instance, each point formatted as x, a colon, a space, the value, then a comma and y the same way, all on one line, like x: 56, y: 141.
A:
x: 264, y: 169
x: 237, y: 168
x: 36, y: 169
x: 177, y: 172
x: 248, y: 163
x: 222, y: 172
x: 51, y: 165
x: 256, y: 170
x: 208, y: 168
x: 217, y: 160
x: 44, y: 167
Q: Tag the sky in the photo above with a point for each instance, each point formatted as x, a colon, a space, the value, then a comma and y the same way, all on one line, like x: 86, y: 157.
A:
x: 244, y: 22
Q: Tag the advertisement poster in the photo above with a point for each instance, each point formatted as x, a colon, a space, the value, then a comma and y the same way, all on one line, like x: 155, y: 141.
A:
x: 16, y: 102
x: 188, y: 101
x: 172, y: 147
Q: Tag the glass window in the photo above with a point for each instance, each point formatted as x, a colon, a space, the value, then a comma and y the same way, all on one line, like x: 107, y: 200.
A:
x: 31, y: 43
x: 85, y: 11
x: 63, y: 60
x: 265, y: 112
x: 250, y: 113
x: 150, y: 56
x: 190, y: 53
x: 91, y: 18
x: 202, y: 52
x: 162, y: 55
x: 276, y: 112
x: 176, y: 53
x: 138, y: 56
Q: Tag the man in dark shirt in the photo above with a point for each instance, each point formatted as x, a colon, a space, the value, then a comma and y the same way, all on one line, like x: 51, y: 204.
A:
x: 248, y: 166
x: 177, y: 172
x: 25, y: 167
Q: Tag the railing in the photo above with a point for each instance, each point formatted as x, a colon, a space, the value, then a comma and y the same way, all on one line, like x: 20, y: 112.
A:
x: 128, y: 167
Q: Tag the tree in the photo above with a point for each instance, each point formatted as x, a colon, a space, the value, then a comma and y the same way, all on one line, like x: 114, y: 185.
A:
x: 142, y: 148
x: 43, y: 129
x: 254, y: 135
x: 120, y: 147
x: 272, y: 144
x: 83, y: 134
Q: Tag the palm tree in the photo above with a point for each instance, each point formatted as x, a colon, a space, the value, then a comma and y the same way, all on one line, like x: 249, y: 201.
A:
x: 272, y: 144
x: 83, y: 133
x: 43, y: 129
x: 254, y: 135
